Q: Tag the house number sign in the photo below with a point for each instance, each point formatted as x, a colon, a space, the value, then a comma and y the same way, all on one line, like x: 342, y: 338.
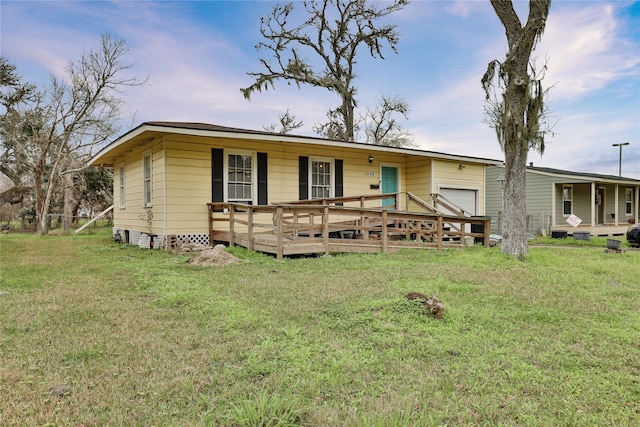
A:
x: 370, y: 174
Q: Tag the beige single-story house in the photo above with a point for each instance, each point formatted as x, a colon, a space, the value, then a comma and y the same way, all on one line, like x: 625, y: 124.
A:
x: 165, y: 174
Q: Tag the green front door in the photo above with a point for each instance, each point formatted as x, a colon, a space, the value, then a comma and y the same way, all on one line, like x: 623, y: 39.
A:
x: 389, y: 183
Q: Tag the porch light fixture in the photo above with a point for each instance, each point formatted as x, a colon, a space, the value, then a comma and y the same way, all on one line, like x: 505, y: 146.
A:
x: 622, y: 144
x: 370, y: 159
x: 461, y: 166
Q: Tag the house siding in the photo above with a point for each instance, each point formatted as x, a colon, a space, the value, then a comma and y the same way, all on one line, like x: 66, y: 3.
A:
x: 418, y: 178
x: 493, y: 198
x: 130, y: 217
x: 448, y: 174
x: 581, y: 202
x: 188, y: 163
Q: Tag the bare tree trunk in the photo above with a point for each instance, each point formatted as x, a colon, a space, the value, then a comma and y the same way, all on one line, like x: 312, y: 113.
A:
x: 50, y: 187
x: 348, y: 108
x: 514, y: 228
x: 69, y: 201
x: 40, y: 216
x: 42, y: 213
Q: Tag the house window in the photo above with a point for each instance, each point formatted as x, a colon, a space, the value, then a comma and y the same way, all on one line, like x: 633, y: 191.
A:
x: 320, y: 179
x: 122, y: 181
x: 567, y: 200
x: 146, y: 185
x: 240, y: 178
x: 628, y: 201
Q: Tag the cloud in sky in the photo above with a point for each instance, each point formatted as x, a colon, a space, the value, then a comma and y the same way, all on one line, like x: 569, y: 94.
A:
x: 197, y: 54
x: 587, y: 49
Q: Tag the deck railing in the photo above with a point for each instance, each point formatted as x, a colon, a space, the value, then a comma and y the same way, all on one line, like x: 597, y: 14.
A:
x: 439, y: 200
x: 331, y: 225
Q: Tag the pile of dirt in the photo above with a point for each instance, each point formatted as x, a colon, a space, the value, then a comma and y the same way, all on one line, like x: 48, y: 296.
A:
x: 431, y: 303
x: 214, y: 257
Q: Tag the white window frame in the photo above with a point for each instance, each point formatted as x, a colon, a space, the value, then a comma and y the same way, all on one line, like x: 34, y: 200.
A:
x: 628, y: 201
x: 147, y: 181
x: 332, y: 176
x: 564, y: 213
x: 122, y: 185
x: 254, y: 175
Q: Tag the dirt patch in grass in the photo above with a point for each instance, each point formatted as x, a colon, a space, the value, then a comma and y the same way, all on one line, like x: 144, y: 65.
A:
x: 214, y: 257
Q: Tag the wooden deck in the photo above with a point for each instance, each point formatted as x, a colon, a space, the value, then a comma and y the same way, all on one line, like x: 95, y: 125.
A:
x: 336, y: 225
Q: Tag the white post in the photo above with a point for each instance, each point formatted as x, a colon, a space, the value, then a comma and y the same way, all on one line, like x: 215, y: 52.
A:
x: 615, y: 207
x: 94, y: 219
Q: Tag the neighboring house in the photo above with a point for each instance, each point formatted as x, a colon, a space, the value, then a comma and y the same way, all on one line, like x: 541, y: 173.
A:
x: 165, y: 173
x: 606, y: 204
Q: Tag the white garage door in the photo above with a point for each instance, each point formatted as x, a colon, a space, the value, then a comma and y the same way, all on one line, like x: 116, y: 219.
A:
x: 465, y: 199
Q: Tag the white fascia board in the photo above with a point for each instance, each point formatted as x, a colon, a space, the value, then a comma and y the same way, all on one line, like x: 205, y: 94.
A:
x: 121, y: 140
x: 286, y: 138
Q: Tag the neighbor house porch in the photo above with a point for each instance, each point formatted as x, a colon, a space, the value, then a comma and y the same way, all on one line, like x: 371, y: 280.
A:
x: 594, y: 230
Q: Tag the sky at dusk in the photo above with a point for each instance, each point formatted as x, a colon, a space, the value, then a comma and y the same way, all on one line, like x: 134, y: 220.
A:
x: 196, y: 55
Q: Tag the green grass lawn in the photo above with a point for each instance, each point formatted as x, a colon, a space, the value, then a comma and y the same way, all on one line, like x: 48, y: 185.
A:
x: 97, y: 333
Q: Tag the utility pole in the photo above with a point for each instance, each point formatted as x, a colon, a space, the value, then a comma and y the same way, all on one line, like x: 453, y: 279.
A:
x: 622, y: 144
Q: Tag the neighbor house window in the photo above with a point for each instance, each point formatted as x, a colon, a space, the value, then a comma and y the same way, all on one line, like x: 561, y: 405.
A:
x: 146, y: 185
x: 628, y: 201
x: 567, y: 200
x: 240, y: 178
x: 320, y: 179
x: 122, y: 181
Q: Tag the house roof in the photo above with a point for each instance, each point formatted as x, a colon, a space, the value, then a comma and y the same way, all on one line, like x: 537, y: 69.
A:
x: 149, y: 130
x: 568, y: 176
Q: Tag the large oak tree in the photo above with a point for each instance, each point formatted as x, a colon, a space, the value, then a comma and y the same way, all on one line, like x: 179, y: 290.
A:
x: 322, y: 51
x: 516, y: 113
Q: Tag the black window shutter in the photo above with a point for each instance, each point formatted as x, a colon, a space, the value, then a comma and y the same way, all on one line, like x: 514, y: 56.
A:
x: 339, y: 190
x: 303, y: 180
x: 217, y: 175
x: 263, y: 197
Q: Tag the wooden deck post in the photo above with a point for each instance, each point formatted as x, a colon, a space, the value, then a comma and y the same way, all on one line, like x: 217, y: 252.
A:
x: 210, y: 209
x: 487, y: 232
x: 325, y: 228
x: 439, y: 232
x: 384, y: 230
x: 250, y: 229
x: 277, y: 219
x: 366, y: 229
x: 232, y: 237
